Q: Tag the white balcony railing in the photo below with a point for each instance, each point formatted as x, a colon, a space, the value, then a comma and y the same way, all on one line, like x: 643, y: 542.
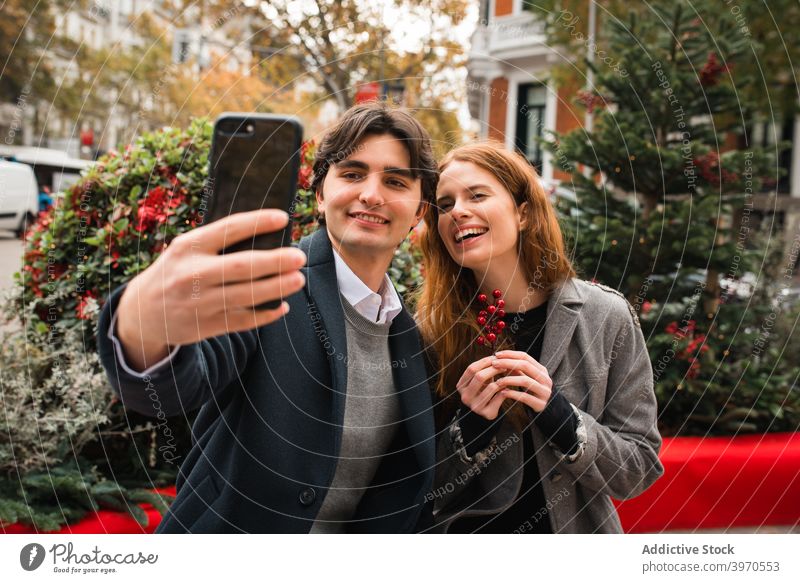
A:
x: 515, y: 34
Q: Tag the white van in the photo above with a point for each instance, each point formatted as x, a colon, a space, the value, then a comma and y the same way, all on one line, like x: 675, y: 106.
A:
x: 19, y: 196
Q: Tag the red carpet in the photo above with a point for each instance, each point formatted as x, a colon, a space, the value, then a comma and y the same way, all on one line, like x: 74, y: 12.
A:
x: 713, y: 482
x: 104, y: 521
x: 719, y: 482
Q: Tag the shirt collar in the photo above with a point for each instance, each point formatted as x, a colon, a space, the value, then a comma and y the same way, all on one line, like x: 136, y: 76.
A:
x: 381, y: 307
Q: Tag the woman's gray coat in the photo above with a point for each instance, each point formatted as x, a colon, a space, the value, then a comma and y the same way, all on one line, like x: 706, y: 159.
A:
x: 595, y: 353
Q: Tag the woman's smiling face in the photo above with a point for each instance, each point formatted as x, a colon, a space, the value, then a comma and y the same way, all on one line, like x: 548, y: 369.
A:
x: 478, y: 219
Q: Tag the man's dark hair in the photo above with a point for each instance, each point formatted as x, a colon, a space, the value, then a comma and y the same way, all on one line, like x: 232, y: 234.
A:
x: 371, y: 119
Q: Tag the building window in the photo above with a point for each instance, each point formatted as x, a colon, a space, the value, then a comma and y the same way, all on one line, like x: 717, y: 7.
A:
x: 765, y: 135
x: 486, y: 11
x: 785, y: 157
x: 531, y: 102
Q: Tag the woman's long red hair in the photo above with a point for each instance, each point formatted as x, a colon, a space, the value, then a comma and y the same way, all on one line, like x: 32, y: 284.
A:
x: 446, y: 312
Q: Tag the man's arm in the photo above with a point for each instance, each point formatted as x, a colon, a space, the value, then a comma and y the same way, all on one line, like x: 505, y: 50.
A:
x: 193, y: 298
x: 122, y: 360
x: 192, y: 375
x: 140, y: 349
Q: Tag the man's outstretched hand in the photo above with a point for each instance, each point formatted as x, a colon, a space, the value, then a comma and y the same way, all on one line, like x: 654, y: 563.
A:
x: 191, y: 292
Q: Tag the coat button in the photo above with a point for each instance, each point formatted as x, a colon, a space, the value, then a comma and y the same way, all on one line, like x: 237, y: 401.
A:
x: 555, y: 476
x: 307, y: 496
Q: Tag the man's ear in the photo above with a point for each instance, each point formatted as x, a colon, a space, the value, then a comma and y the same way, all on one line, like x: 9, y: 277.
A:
x: 423, y: 206
x: 320, y: 201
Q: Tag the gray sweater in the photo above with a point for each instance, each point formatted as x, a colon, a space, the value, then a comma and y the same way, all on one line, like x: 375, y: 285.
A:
x: 371, y: 418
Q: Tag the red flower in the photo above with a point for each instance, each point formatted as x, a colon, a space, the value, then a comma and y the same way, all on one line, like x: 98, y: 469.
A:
x: 81, y: 309
x: 694, y: 369
x: 671, y: 328
x: 709, y: 74
x: 177, y: 199
x: 590, y: 100
x: 57, y: 271
x: 711, y: 169
x: 151, y: 210
x: 304, y: 177
x: 697, y: 341
x: 157, y: 196
x: 646, y: 307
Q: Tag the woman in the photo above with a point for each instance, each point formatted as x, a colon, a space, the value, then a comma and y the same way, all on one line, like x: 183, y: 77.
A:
x: 551, y: 413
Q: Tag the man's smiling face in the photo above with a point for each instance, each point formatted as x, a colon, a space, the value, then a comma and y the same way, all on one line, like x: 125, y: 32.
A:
x: 371, y: 199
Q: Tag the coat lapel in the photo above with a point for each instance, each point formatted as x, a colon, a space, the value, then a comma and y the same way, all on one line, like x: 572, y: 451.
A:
x: 324, y: 299
x: 562, y: 317
x: 410, y: 378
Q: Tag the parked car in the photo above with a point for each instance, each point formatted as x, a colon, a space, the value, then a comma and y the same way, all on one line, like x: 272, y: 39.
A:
x: 54, y: 169
x: 19, y: 196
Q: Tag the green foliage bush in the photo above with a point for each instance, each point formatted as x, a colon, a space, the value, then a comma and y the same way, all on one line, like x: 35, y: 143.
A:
x: 62, y: 418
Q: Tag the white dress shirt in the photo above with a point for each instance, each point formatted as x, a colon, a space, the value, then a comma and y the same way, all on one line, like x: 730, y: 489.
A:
x: 381, y: 308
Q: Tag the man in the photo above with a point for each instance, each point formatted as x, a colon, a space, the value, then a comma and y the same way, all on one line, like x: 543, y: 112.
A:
x: 316, y: 415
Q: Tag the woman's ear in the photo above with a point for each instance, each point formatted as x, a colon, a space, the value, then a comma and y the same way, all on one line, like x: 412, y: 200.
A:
x: 524, y: 214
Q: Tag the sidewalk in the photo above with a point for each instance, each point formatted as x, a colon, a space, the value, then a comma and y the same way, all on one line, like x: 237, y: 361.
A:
x: 10, y: 258
x: 11, y: 250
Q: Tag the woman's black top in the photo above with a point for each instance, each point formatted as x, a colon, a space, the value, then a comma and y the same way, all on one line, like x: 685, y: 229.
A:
x: 557, y: 421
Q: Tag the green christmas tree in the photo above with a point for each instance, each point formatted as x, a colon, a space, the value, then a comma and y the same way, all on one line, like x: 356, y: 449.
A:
x: 664, y: 183
x: 655, y: 185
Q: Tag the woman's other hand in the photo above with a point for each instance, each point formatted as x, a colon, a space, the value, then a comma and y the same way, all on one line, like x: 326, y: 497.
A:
x: 525, y: 373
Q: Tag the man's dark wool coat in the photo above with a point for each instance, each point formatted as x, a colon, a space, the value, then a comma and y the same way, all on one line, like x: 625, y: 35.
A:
x: 266, y: 440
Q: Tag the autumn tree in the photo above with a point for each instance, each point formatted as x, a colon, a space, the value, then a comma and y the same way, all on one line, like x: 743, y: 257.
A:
x: 141, y: 85
x: 342, y: 44
x: 25, y: 32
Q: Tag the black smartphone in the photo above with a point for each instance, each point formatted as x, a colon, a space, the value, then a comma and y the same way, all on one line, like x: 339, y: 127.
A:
x: 253, y: 165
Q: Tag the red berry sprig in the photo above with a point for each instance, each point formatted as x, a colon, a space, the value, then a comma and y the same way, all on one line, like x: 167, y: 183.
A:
x: 490, y: 319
